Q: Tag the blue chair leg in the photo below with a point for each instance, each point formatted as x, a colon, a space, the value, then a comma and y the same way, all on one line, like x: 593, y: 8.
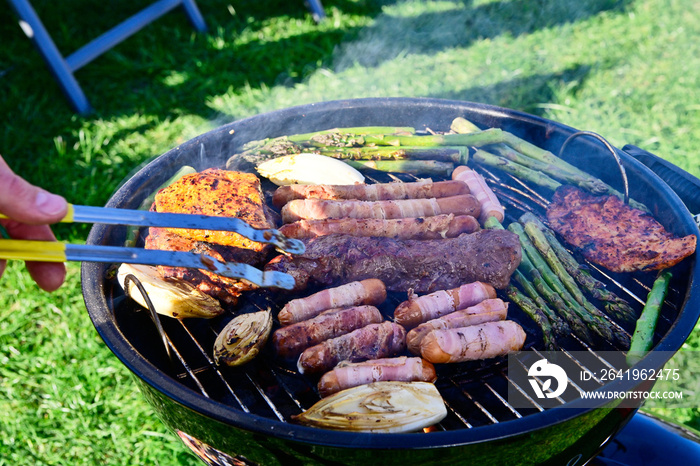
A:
x: 317, y: 10
x: 63, y: 68
x: 58, y: 66
x: 194, y: 15
x: 119, y: 33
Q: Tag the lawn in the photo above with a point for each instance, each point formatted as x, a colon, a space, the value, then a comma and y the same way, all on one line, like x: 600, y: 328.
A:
x: 625, y: 69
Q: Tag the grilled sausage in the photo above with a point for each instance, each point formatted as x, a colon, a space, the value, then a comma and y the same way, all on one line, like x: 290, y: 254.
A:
x: 419, y: 309
x: 373, y: 341
x: 291, y: 340
x: 482, y: 341
x: 400, y: 369
x: 489, y: 310
x: 370, y: 291
x: 490, y: 205
x: 370, y: 192
x: 436, y: 227
x: 298, y: 209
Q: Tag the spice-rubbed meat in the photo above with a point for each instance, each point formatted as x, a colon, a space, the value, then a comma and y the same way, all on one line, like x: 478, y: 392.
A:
x: 614, y: 235
x: 489, y: 256
x: 220, y: 193
x: 225, y: 289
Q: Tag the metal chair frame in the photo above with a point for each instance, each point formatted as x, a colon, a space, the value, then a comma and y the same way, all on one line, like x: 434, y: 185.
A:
x: 63, y: 68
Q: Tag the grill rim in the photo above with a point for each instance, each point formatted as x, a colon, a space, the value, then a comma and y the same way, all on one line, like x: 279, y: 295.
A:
x: 104, y: 323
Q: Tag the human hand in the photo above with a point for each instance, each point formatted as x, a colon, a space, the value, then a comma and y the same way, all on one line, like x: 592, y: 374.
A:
x: 30, y: 210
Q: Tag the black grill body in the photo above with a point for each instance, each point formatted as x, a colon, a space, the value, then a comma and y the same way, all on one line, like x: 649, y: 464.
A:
x: 246, y: 412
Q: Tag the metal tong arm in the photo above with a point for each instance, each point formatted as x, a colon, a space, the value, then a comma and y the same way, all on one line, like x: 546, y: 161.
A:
x: 52, y: 251
x: 143, y: 218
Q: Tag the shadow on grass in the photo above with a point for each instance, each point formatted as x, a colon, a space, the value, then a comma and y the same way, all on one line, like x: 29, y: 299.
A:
x: 459, y: 26
x: 525, y: 94
x: 167, y: 70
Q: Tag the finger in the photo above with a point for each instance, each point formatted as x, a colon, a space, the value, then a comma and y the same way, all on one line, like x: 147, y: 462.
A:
x: 24, y: 202
x: 19, y: 230
x: 48, y: 275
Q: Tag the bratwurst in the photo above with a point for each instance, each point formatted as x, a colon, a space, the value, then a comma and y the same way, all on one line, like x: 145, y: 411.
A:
x: 351, y: 374
x: 291, y: 340
x: 424, y: 189
x: 299, y: 209
x: 374, y: 341
x: 435, y: 227
x: 489, y: 256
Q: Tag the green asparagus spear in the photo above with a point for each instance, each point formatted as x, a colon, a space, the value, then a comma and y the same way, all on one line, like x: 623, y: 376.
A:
x: 554, y: 171
x: 414, y: 167
x: 577, y: 325
x: 530, y: 308
x: 520, y: 171
x: 559, y: 325
x: 510, y: 145
x: 617, y: 307
x: 463, y: 126
x: 643, y: 335
x: 596, y: 321
x: 456, y: 154
x: 539, y: 290
x: 351, y: 132
x: 541, y: 244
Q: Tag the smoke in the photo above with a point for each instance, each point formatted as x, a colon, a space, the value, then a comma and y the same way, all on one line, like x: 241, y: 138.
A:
x: 484, y: 51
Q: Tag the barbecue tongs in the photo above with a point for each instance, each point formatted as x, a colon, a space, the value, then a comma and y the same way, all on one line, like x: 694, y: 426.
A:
x: 49, y: 251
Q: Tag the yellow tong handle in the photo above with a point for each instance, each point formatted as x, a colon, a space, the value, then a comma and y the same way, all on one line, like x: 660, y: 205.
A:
x: 40, y: 251
x: 67, y: 219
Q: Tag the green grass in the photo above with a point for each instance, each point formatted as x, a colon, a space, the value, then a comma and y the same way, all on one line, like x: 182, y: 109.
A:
x: 625, y: 69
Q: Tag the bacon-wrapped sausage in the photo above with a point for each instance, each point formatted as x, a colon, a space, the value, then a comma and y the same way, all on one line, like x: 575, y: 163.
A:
x: 489, y: 310
x: 490, y: 205
x: 419, y: 309
x: 298, y: 209
x: 482, y: 341
x: 399, y: 369
x: 424, y: 189
x: 436, y: 227
x: 291, y: 340
x: 370, y: 291
x: 374, y: 341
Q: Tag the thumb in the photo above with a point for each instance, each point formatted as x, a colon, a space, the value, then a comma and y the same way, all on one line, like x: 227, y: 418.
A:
x: 26, y: 203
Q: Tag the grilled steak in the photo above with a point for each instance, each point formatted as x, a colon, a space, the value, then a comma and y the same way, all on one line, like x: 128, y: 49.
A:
x: 219, y: 193
x: 489, y: 256
x: 614, y: 235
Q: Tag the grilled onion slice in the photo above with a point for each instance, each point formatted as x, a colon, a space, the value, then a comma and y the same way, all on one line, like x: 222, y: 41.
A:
x: 391, y: 407
x: 170, y: 297
x: 309, y: 169
x: 242, y: 338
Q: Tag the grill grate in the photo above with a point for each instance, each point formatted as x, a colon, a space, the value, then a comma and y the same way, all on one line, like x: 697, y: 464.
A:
x: 475, y: 393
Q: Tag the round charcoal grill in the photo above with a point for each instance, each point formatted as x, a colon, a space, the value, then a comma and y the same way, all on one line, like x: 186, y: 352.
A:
x: 245, y: 414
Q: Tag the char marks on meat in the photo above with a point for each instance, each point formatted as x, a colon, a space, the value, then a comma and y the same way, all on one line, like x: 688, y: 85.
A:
x: 222, y: 288
x: 220, y: 193
x: 489, y: 256
x: 614, y: 235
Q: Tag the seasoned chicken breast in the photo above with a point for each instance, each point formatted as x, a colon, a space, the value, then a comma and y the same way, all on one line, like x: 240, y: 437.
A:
x: 220, y: 193
x: 614, y: 235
